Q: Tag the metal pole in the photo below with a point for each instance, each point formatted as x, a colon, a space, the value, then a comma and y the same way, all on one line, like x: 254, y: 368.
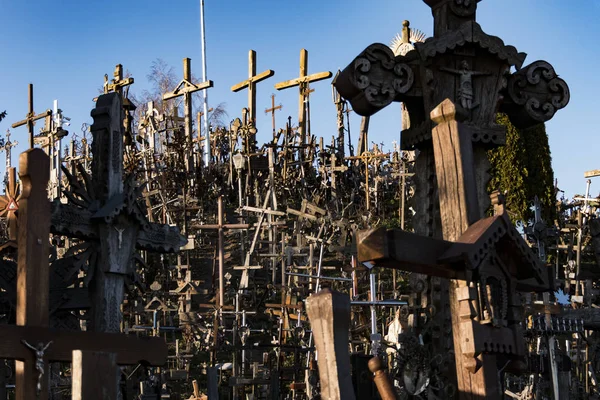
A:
x: 205, y: 91
x: 580, y: 222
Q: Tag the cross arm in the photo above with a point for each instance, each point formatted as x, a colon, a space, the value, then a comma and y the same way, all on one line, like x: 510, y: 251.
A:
x: 319, y: 76
x: 160, y: 237
x: 32, y: 118
x: 533, y: 94
x: 187, y: 88
x: 255, y: 79
x: 406, y: 251
x: 376, y: 78
x: 130, y: 349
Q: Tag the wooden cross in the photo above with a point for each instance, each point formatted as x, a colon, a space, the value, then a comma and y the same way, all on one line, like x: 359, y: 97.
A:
x: 220, y: 227
x: 302, y: 82
x: 118, y: 82
x: 366, y: 158
x: 31, y: 342
x: 272, y: 111
x: 250, y: 83
x: 185, y: 88
x: 452, y: 124
x: 104, y: 211
x: 31, y: 117
x: 332, y: 169
x: 9, y: 205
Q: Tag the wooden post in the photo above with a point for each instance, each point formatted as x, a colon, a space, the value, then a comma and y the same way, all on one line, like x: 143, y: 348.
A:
x: 86, y: 386
x: 329, y: 315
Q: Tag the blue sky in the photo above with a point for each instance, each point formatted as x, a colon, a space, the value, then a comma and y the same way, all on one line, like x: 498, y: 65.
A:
x: 65, y: 47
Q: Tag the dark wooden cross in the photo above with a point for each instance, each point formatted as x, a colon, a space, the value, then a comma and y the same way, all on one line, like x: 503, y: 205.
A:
x: 31, y: 117
x: 95, y: 356
x: 272, y: 111
x: 185, y: 88
x: 104, y: 211
x: 302, y: 82
x: 250, y: 83
x: 452, y: 123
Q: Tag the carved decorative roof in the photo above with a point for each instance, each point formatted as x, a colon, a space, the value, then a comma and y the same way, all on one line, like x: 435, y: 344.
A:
x: 470, y: 32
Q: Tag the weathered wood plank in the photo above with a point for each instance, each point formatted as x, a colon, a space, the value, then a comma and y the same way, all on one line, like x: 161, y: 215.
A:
x: 91, y: 373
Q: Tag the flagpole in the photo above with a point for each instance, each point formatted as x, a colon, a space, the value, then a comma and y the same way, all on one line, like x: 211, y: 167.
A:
x: 205, y: 91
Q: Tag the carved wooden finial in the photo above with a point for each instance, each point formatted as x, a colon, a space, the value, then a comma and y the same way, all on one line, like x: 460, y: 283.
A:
x: 382, y: 381
x: 405, y: 31
x: 447, y: 111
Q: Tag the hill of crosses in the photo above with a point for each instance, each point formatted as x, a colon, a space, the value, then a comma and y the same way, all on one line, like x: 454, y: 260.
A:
x: 164, y: 253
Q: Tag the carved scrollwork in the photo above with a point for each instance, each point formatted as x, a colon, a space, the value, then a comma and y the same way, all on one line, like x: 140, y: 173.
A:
x: 534, y: 94
x: 374, y: 79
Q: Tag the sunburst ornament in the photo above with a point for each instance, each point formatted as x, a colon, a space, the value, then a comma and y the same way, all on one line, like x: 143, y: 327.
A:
x: 404, y: 42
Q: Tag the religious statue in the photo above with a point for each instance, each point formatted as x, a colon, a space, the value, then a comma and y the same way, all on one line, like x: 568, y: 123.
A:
x: 465, y: 90
x: 39, y: 360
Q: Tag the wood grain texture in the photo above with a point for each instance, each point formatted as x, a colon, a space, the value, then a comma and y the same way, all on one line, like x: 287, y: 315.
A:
x: 329, y: 315
x: 93, y: 373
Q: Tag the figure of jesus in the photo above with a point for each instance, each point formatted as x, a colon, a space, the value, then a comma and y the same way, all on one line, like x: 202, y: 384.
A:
x: 465, y: 90
x: 39, y: 360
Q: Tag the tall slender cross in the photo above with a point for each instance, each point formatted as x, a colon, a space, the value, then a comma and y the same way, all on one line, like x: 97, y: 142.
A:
x: 302, y: 82
x: 30, y: 118
x: 251, y: 82
x: 185, y: 88
x: 272, y: 111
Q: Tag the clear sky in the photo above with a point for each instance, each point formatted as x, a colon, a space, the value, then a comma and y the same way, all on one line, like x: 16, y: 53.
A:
x: 64, y: 47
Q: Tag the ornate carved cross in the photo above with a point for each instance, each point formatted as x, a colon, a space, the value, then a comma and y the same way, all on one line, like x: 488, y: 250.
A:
x: 104, y: 211
x: 31, y: 342
x: 436, y: 82
x: 9, y: 204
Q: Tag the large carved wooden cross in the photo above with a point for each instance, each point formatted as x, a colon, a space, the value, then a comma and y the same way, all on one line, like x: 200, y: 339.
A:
x: 456, y: 80
x: 31, y: 342
x: 104, y: 211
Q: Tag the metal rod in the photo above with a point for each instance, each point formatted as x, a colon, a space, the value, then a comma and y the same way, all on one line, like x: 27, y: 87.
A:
x: 205, y: 91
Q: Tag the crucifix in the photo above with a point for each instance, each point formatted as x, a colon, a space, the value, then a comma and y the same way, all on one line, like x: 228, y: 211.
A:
x: 104, y: 212
x: 31, y: 343
x: 31, y: 117
x: 302, y: 82
x: 250, y: 83
x: 272, y: 111
x: 186, y: 88
x: 453, y: 137
x: 116, y: 85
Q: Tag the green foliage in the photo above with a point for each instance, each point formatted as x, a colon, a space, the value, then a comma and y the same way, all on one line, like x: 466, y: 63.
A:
x: 522, y: 170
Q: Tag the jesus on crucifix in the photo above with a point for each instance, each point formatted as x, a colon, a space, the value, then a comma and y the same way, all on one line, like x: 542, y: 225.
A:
x: 465, y: 90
